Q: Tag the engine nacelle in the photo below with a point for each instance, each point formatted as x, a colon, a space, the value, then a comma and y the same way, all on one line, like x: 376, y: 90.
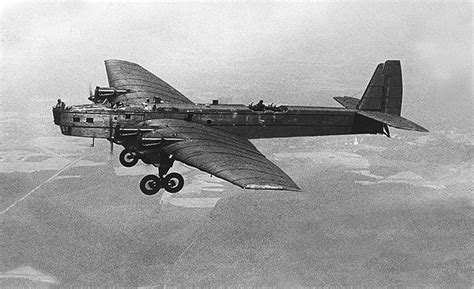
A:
x: 107, y: 93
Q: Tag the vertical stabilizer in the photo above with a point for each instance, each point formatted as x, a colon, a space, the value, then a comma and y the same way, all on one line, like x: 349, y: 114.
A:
x: 392, y: 101
x: 381, y: 102
x: 384, y: 92
x: 372, y: 97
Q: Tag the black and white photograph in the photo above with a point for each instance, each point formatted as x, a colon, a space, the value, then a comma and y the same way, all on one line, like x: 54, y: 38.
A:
x: 236, y: 144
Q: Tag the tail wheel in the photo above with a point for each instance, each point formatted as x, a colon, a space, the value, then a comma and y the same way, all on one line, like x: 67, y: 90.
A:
x: 173, y: 183
x: 150, y: 185
x: 128, y: 158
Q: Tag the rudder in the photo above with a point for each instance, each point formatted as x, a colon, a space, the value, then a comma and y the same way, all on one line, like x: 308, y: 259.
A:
x: 384, y: 91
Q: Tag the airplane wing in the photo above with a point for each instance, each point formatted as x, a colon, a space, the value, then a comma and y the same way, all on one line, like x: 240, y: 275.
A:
x: 143, y: 84
x: 219, y: 153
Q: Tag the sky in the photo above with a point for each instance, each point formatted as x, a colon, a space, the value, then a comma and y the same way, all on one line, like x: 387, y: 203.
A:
x: 282, y: 52
x: 286, y: 52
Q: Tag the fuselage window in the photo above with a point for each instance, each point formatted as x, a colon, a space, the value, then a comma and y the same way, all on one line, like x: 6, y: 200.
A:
x: 76, y: 119
x: 90, y: 120
x: 127, y: 116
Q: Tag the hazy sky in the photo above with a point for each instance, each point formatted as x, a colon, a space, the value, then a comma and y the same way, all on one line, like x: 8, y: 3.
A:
x: 285, y: 52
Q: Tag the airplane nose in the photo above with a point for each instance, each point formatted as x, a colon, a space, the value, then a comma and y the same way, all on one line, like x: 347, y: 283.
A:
x: 57, y: 116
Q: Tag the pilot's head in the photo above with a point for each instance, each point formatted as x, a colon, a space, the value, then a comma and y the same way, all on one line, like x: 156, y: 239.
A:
x: 59, y: 100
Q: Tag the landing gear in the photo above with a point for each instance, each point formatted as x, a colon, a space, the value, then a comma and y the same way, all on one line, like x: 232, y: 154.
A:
x: 128, y: 158
x: 150, y: 185
x: 172, y: 183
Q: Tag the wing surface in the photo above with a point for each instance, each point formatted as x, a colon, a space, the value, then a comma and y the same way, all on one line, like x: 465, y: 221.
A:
x: 220, y: 153
x: 143, y: 84
x: 347, y: 101
x: 393, y: 120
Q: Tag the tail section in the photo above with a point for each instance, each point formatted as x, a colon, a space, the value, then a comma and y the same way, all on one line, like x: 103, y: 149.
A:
x: 382, y: 99
x: 392, y: 120
x: 384, y: 92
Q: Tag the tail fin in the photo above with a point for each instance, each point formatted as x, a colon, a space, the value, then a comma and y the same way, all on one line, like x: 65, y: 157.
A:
x: 382, y: 99
x: 384, y: 92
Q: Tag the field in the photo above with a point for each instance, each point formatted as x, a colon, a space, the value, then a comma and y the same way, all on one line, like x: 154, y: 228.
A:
x: 373, y: 212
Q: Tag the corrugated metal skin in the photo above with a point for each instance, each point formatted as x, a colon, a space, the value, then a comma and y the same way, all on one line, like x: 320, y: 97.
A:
x: 393, y: 120
x: 372, y: 97
x: 144, y: 84
x: 392, y: 72
x: 347, y: 101
x: 384, y: 92
x: 222, y: 154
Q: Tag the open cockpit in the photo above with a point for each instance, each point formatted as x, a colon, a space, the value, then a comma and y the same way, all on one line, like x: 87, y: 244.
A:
x: 260, y: 106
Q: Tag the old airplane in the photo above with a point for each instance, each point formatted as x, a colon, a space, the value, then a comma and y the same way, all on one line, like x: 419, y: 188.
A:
x: 157, y: 124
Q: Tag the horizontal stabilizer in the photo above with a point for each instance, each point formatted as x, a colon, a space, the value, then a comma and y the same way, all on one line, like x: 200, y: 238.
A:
x: 347, y: 101
x: 392, y: 120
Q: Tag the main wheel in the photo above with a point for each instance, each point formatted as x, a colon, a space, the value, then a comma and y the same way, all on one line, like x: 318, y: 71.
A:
x: 173, y: 183
x: 150, y: 185
x: 128, y: 158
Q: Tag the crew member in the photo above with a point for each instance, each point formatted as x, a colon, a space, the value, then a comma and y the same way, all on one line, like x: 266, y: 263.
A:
x: 146, y: 104
x: 60, y: 104
x: 260, y: 105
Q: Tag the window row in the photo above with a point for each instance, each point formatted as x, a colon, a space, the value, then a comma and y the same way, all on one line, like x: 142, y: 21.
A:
x: 78, y: 119
x: 91, y: 119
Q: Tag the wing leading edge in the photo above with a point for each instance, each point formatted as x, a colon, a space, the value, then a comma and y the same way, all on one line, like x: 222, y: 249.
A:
x: 222, y: 154
x: 143, y: 84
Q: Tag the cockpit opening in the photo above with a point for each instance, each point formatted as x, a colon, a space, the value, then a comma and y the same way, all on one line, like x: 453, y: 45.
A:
x: 260, y: 106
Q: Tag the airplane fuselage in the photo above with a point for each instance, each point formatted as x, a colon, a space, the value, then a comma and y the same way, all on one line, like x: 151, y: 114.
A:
x: 156, y: 124
x: 99, y: 121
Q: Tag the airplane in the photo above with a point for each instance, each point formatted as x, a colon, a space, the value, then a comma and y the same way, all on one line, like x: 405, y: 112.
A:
x: 158, y: 125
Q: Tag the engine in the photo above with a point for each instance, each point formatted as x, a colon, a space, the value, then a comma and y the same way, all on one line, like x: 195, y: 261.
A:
x: 106, y: 93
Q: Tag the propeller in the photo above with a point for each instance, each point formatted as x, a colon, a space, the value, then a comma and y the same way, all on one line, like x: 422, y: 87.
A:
x: 111, y: 134
x: 99, y: 94
x: 94, y: 95
x: 90, y: 91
